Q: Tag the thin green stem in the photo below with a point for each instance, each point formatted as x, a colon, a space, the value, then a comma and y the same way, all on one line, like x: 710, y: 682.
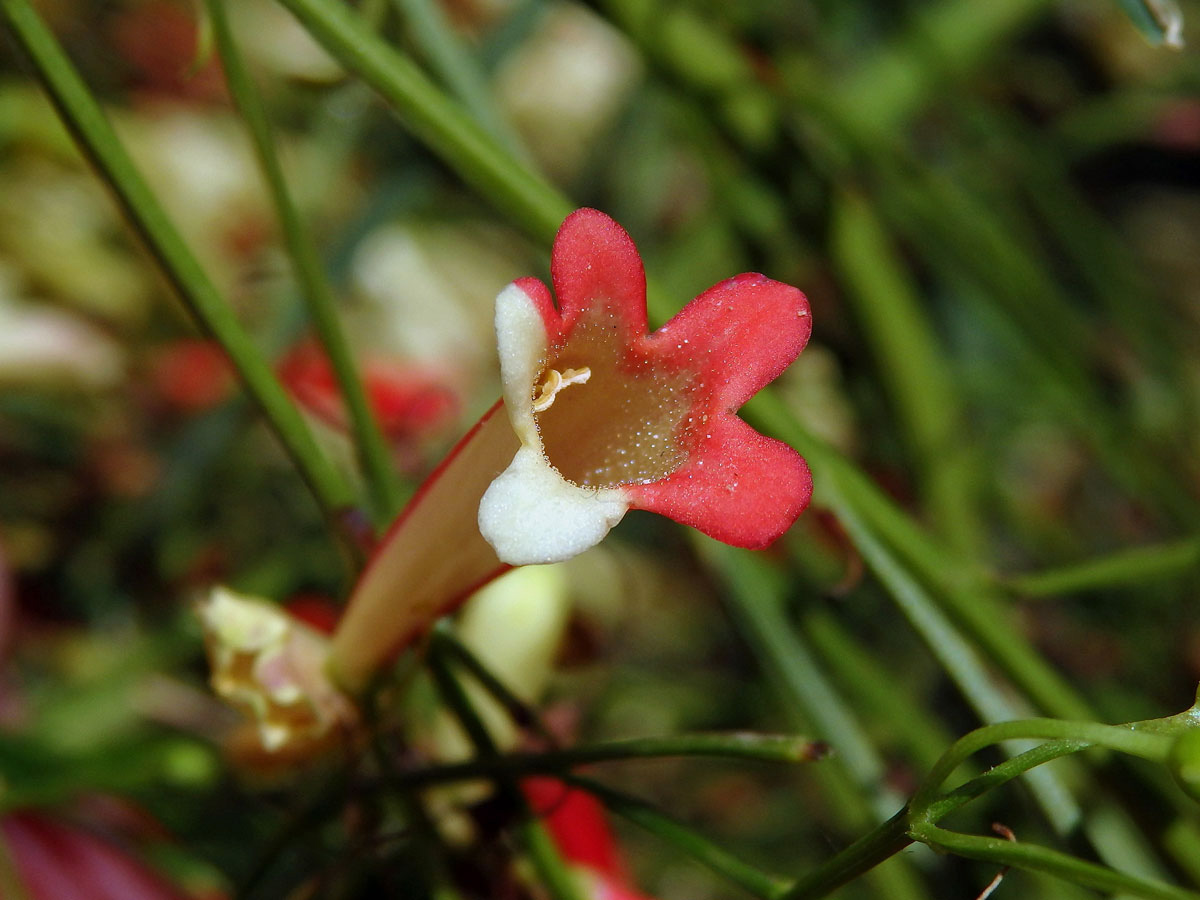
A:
x: 554, y: 873
x: 892, y: 836
x: 449, y: 56
x: 855, y: 778
x: 518, y: 710
x: 435, y: 119
x: 1123, y: 738
x: 429, y: 853
x: 958, y: 584
x: 1044, y: 859
x: 381, y: 475
x: 873, y: 848
x: 95, y: 137
x: 1128, y: 567
x: 743, y: 746
x: 695, y: 845
x: 999, y: 775
x: 911, y: 363
x: 926, y: 808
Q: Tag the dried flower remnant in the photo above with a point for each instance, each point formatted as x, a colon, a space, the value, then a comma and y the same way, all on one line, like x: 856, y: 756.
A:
x: 270, y: 665
x: 598, y: 417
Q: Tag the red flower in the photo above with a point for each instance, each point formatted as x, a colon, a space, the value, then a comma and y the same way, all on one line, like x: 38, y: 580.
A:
x: 579, y: 827
x: 409, y: 402
x: 598, y: 417
x: 644, y: 421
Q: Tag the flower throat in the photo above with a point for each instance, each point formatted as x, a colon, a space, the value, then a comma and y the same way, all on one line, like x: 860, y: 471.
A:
x: 621, y: 423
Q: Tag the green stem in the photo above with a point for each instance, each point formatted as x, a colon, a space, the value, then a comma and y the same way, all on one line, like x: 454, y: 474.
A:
x: 958, y: 584
x: 554, y: 873
x: 428, y: 852
x: 451, y: 59
x: 855, y: 778
x: 435, y: 119
x: 1149, y: 745
x: 373, y: 453
x: 926, y: 809
x: 99, y: 143
x: 892, y: 836
x: 524, y: 715
x: 1127, y: 567
x: 896, y: 327
x: 1043, y: 859
x: 999, y: 775
x: 746, y: 746
x: 883, y: 842
x: 695, y: 845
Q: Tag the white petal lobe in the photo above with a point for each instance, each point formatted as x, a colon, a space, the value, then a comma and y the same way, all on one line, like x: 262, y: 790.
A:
x: 530, y: 514
x: 521, y: 340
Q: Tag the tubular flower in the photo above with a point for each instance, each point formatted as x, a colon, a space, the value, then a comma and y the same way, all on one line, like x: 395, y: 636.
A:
x: 612, y: 418
x: 598, y: 417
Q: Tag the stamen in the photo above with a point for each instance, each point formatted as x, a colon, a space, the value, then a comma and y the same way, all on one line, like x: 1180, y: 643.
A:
x: 554, y: 382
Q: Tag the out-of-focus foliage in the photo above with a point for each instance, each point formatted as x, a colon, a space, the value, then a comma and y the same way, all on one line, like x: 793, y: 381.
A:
x: 994, y: 208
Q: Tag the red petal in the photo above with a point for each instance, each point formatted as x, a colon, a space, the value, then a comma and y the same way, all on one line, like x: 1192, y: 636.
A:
x: 544, y: 303
x: 594, y: 261
x: 38, y: 855
x: 577, y: 822
x: 739, y: 335
x: 737, y: 486
x: 57, y: 861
